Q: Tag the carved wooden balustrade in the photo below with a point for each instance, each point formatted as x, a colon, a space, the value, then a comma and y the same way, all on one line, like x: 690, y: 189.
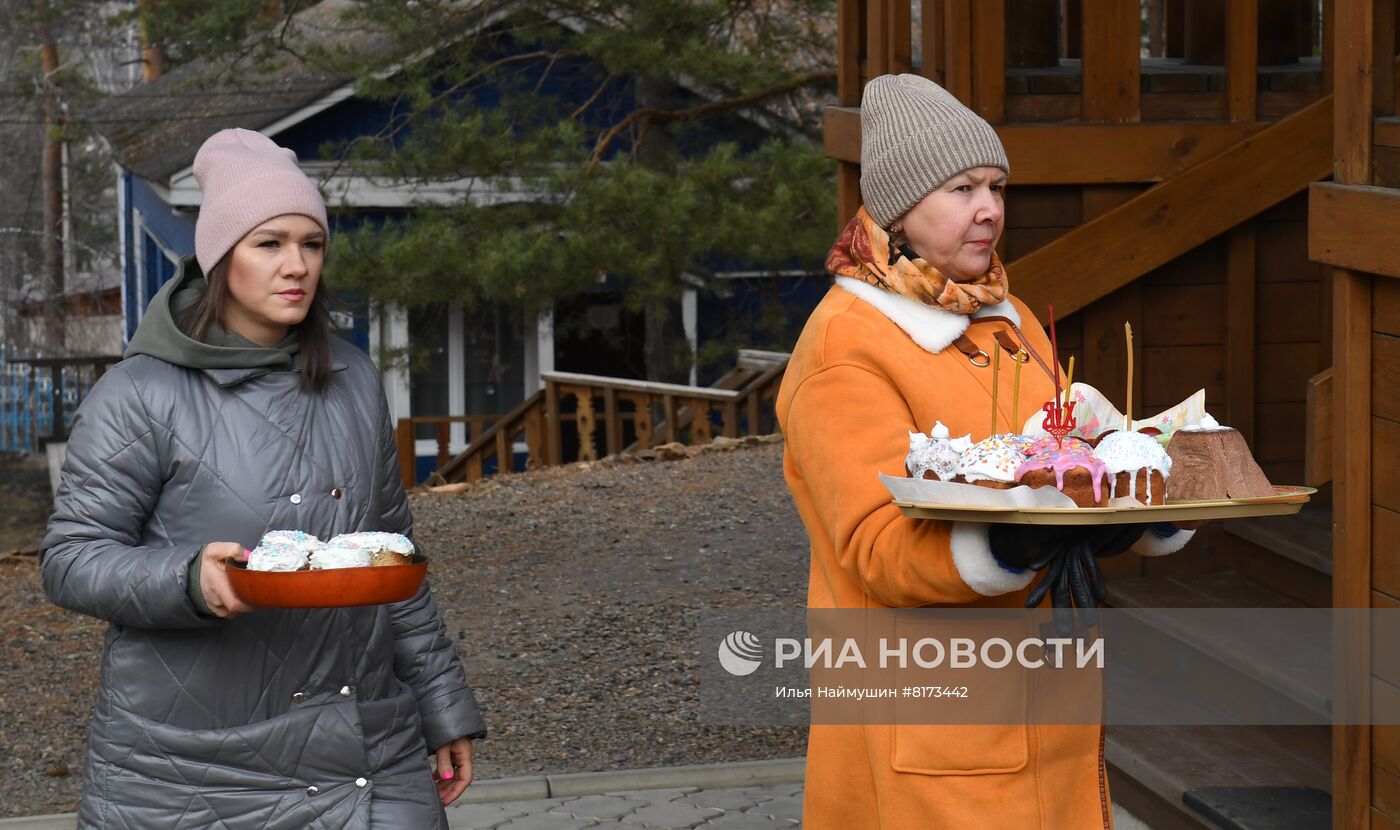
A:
x: 578, y: 417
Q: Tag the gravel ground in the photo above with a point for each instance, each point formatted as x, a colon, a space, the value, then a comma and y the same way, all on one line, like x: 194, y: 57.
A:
x: 573, y: 592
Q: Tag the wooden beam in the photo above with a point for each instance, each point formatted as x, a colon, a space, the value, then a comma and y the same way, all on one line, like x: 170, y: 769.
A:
x: 1079, y: 153
x: 1351, y: 538
x: 1355, y: 45
x: 957, y: 48
x: 1171, y: 218
x: 989, y: 59
x: 848, y: 83
x: 1242, y: 58
x: 1239, y: 334
x: 1112, y: 70
x: 1346, y: 223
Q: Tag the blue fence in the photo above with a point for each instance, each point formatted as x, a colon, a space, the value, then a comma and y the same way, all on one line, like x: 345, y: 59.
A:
x: 27, y: 399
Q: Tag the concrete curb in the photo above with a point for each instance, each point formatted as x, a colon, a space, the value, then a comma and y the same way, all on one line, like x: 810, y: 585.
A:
x: 565, y: 785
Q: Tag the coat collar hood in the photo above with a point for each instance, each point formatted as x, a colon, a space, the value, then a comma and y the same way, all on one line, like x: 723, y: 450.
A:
x: 933, y: 329
x: 225, y: 356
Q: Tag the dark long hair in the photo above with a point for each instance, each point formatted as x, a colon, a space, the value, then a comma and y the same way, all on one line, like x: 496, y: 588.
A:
x: 313, y: 333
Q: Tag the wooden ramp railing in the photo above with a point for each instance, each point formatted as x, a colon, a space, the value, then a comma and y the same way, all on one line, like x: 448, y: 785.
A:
x: 635, y: 415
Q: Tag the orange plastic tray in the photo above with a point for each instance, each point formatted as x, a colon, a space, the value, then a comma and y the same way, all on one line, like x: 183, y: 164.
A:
x: 330, y: 588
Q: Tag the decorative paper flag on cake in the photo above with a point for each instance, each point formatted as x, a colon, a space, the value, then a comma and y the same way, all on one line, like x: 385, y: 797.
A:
x: 1094, y: 414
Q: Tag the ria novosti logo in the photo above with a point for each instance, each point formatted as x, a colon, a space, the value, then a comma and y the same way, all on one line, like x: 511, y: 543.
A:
x: 740, y: 653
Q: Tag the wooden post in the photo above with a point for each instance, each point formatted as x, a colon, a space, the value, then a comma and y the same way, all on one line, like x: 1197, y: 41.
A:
x: 1240, y: 283
x: 534, y: 438
x: 1383, y: 72
x: 848, y: 90
x: 642, y: 420
x: 403, y: 439
x: 1352, y: 43
x: 731, y: 419
x: 752, y: 401
x: 443, y: 433
x: 957, y: 56
x: 1112, y: 69
x: 989, y: 59
x: 1242, y: 58
x: 1175, y: 46
x: 505, y: 456
x: 612, y: 421
x: 1033, y: 32
x: 552, y: 423
x: 1074, y: 29
x: 900, y: 36
x: 931, y: 42
x: 585, y: 422
x: 673, y: 418
x: 701, y: 431
x: 877, y: 37
x: 1156, y: 28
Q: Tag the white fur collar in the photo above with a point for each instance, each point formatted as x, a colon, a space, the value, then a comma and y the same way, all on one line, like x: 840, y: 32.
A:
x: 933, y: 329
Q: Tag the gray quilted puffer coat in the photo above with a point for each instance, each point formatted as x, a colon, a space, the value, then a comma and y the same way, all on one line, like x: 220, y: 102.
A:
x: 287, y: 719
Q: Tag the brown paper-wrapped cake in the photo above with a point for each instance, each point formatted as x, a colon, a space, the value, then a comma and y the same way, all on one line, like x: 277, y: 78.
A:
x: 1210, y: 461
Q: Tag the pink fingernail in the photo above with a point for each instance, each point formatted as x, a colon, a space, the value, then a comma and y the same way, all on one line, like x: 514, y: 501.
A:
x: 447, y: 775
x: 246, y: 553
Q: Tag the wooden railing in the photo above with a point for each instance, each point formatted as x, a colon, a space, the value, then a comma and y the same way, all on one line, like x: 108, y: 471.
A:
x: 406, y: 438
x: 610, y: 416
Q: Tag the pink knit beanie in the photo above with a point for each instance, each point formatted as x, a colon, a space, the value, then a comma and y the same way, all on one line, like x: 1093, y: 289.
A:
x: 247, y: 179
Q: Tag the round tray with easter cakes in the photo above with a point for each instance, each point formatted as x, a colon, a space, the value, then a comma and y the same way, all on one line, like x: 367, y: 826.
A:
x: 1079, y: 461
x: 293, y: 569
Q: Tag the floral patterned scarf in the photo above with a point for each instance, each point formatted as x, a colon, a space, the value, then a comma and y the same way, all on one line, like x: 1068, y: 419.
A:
x: 865, y: 251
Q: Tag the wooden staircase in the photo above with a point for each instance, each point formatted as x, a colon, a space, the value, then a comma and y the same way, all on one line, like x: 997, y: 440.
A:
x: 1232, y: 777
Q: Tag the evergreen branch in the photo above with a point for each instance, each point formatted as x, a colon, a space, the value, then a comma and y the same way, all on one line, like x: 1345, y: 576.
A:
x: 593, y: 99
x: 649, y: 116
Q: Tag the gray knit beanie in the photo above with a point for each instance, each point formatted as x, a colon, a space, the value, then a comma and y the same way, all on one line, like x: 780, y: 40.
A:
x: 914, y: 136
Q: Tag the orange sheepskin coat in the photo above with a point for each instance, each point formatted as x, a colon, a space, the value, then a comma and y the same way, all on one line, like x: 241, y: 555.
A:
x: 869, y: 368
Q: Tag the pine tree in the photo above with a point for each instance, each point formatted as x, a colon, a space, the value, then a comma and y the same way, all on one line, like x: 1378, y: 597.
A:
x: 653, y: 141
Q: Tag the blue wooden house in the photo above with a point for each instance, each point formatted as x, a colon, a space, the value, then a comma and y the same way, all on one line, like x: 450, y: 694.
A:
x: 482, y: 362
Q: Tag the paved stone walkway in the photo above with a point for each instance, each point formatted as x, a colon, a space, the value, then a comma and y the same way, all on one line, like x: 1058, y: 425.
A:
x: 742, y: 808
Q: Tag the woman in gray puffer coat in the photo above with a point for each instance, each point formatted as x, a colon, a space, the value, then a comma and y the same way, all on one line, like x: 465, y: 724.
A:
x: 235, y: 412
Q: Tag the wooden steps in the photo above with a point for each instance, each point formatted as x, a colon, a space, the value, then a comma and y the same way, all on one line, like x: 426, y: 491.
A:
x: 1152, y: 769
x: 1290, y: 554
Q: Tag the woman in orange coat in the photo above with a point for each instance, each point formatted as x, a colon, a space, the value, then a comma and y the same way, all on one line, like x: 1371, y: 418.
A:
x: 890, y: 350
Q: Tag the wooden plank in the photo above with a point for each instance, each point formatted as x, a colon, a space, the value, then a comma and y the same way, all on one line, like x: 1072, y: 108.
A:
x: 1351, y: 570
x: 1185, y: 106
x: 1317, y: 434
x: 988, y: 59
x: 1110, y: 65
x: 847, y: 194
x: 1387, y: 745
x: 1355, y: 48
x: 1385, y: 378
x: 1283, y: 371
x: 1173, y: 373
x: 1386, y: 311
x: 1383, y: 821
x: 1385, y: 477
x: 1043, y: 108
x: 1289, y: 312
x: 1204, y: 264
x: 1103, y: 362
x: 1185, y: 315
x: 1385, y: 790
x: 1280, y: 103
x: 1344, y: 222
x: 1241, y: 58
x: 957, y: 57
x: 1181, y: 213
x: 1043, y: 206
x: 1386, y: 131
x: 848, y: 84
x: 555, y: 426
x: 1239, y: 338
x: 1385, y: 550
x: 647, y: 386
x: 1276, y: 430
x: 1329, y: 45
x: 1018, y: 242
x: 931, y: 42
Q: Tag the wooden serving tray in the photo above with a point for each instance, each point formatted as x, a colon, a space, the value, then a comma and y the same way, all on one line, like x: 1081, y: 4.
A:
x: 329, y: 588
x: 1286, y: 500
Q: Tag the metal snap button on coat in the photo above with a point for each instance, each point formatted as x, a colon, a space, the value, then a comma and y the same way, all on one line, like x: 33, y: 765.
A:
x: 298, y: 697
x: 312, y: 790
x: 335, y: 494
x: 345, y: 691
x: 360, y: 782
x: 296, y: 498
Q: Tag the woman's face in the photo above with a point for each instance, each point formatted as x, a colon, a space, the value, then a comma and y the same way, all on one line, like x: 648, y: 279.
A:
x: 272, y: 276
x: 956, y: 226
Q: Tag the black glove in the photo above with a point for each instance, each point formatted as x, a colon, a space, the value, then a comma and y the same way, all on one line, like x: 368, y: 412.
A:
x: 1027, y: 546
x: 1074, y: 580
